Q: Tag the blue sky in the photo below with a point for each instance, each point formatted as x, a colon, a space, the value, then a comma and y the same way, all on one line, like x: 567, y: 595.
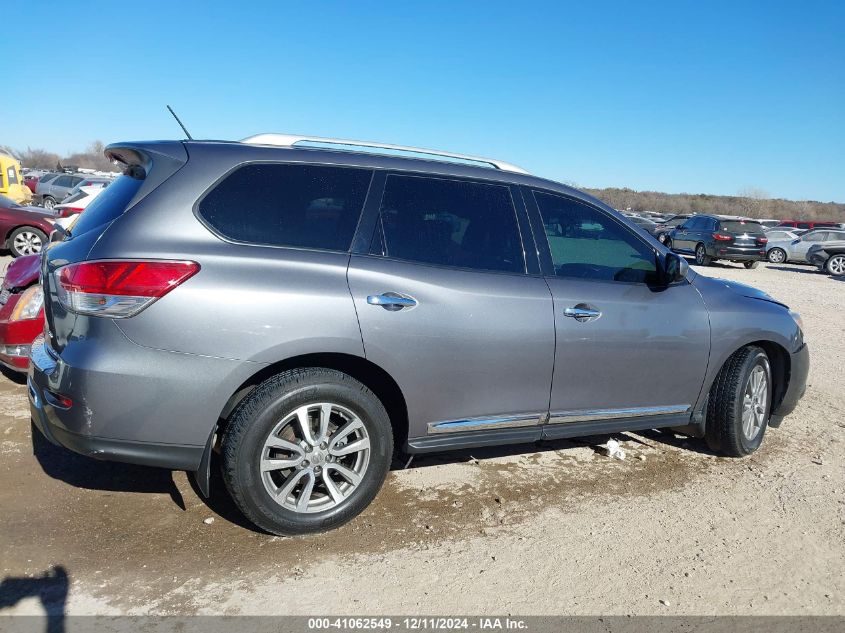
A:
x: 673, y: 96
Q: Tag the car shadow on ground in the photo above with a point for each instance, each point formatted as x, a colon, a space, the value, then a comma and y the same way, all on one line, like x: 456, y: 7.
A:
x: 796, y: 269
x: 649, y: 438
x: 51, y: 588
x: 85, y: 472
x: 14, y: 376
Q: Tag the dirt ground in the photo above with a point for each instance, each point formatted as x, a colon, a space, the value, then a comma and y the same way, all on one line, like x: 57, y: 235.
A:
x: 555, y: 528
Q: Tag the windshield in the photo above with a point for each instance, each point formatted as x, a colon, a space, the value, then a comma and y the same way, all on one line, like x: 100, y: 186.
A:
x: 742, y: 227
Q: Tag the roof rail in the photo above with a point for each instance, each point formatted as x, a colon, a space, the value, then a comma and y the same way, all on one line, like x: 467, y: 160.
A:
x: 289, y: 140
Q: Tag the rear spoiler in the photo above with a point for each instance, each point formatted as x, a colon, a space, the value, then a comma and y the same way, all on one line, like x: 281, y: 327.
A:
x: 152, y: 161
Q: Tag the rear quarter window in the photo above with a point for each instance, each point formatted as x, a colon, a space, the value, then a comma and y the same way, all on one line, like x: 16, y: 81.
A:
x: 302, y: 206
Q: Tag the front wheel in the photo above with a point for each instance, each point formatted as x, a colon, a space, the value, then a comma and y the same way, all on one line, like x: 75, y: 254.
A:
x: 306, y: 451
x: 739, y: 403
x: 836, y: 265
x: 26, y: 240
x: 701, y: 256
x: 750, y: 265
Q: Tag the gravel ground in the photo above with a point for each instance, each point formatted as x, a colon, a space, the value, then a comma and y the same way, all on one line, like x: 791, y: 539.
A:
x: 555, y: 528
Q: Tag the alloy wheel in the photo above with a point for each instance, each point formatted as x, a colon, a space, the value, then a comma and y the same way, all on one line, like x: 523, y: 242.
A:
x: 755, y: 402
x: 49, y: 203
x: 836, y: 265
x: 700, y: 253
x: 777, y: 256
x: 315, y: 457
x: 27, y: 243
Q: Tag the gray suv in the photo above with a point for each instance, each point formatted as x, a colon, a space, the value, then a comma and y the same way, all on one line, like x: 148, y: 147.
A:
x: 294, y: 311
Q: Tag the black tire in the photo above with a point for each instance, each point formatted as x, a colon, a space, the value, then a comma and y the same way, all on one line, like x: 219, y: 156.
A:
x: 257, y: 416
x: 835, y: 265
x: 776, y: 256
x: 724, y: 427
x: 750, y: 265
x: 667, y: 242
x: 48, y: 202
x: 26, y: 240
x: 701, y: 256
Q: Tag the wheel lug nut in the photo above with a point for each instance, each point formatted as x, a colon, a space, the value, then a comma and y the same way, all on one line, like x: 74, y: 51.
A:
x: 323, y: 446
x: 306, y: 463
x: 318, y: 469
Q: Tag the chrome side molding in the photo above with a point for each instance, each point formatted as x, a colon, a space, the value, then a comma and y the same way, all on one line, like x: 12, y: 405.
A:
x: 592, y: 415
x: 480, y: 424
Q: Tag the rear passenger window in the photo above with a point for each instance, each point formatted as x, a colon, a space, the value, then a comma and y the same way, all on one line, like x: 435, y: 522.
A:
x: 304, y: 206
x: 588, y: 244
x: 451, y: 223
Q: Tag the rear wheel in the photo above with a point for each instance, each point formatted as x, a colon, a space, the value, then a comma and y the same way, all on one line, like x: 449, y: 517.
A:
x: 48, y: 202
x: 306, y: 451
x: 776, y: 255
x: 739, y: 403
x: 836, y: 265
x: 750, y: 265
x: 701, y: 256
x: 26, y: 240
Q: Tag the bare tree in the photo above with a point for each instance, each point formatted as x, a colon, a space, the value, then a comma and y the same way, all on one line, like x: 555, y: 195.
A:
x: 751, y: 202
x: 38, y: 158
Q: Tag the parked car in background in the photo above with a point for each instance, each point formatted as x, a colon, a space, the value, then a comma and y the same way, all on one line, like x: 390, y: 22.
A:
x: 78, y: 201
x: 779, y: 241
x: 796, y: 249
x: 647, y: 225
x: 31, y: 181
x: 768, y: 223
x: 21, y: 311
x: 328, y: 305
x: 828, y: 257
x: 663, y: 228
x: 24, y: 230
x: 53, y: 190
x: 808, y: 225
x: 710, y: 238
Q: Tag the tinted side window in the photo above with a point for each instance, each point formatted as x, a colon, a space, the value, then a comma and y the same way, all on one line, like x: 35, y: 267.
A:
x: 693, y: 224
x: 815, y: 236
x: 451, y: 223
x: 305, y: 206
x: 62, y: 181
x: 589, y: 244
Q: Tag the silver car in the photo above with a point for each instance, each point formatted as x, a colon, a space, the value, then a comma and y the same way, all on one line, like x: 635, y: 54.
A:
x: 303, y: 310
x: 794, y: 248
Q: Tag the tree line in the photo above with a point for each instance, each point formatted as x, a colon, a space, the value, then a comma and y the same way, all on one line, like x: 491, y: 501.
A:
x: 91, y: 158
x: 749, y: 202
x: 753, y: 203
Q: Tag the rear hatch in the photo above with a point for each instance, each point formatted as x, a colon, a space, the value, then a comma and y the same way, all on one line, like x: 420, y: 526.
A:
x: 145, y: 167
x: 742, y: 234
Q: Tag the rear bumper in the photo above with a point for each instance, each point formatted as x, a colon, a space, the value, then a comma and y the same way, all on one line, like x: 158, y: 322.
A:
x: 129, y: 403
x: 799, y: 367
x: 817, y: 259
x: 739, y: 254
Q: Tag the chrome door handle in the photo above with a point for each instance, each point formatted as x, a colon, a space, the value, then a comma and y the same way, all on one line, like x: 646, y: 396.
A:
x: 391, y: 301
x: 582, y: 314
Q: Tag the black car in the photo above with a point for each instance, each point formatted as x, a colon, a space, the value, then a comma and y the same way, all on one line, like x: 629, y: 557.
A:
x: 662, y: 230
x: 829, y: 257
x: 710, y: 237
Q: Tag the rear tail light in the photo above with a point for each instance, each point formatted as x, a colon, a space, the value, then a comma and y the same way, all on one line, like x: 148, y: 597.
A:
x: 66, y: 212
x: 119, y: 289
x: 762, y: 240
x: 721, y: 237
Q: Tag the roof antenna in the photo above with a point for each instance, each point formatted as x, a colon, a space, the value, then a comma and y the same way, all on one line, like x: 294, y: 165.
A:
x: 184, y: 129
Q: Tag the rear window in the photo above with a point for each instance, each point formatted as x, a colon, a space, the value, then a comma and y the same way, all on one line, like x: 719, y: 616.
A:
x: 108, y: 205
x: 741, y: 227
x: 303, y: 206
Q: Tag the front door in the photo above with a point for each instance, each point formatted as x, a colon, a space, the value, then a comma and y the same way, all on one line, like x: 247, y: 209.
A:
x: 628, y: 349
x: 447, y: 309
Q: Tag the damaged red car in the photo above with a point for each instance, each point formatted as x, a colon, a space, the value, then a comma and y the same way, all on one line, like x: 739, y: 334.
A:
x: 21, y: 311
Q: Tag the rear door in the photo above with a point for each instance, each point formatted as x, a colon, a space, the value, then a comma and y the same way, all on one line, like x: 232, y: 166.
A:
x: 799, y: 249
x: 447, y: 307
x: 628, y: 349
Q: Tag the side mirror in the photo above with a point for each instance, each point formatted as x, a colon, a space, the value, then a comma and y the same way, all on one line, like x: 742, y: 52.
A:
x: 675, y: 268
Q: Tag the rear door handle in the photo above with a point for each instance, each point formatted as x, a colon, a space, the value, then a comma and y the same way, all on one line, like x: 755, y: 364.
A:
x: 582, y: 313
x: 391, y: 301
